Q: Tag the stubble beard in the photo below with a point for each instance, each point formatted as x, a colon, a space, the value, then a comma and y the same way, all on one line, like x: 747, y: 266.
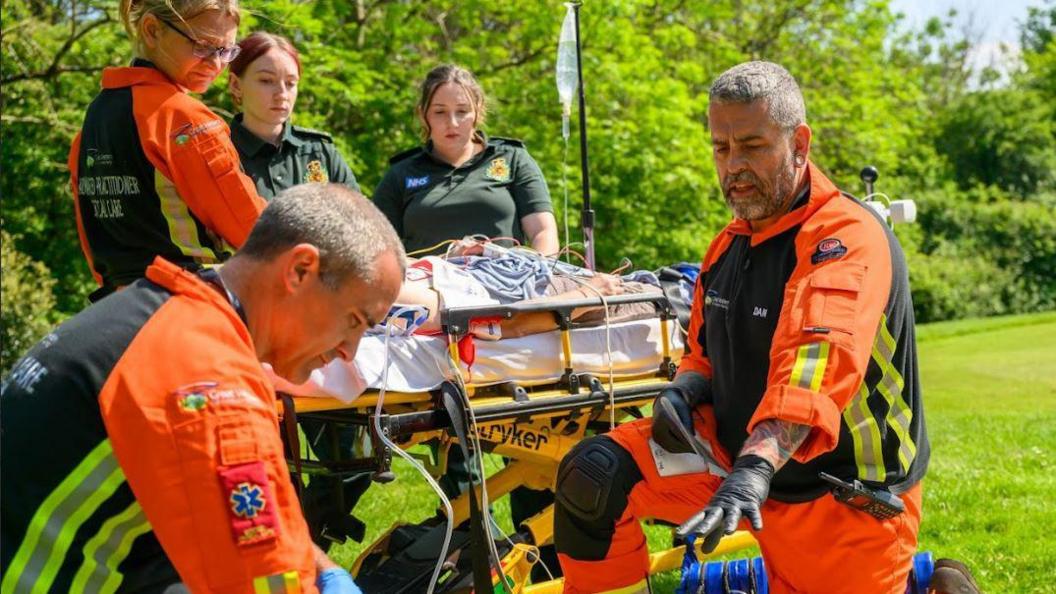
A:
x: 770, y: 197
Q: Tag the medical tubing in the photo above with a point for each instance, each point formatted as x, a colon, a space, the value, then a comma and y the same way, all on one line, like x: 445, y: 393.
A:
x: 532, y: 550
x: 432, y: 247
x: 474, y: 436
x: 608, y: 351
x: 564, y: 189
x: 417, y: 466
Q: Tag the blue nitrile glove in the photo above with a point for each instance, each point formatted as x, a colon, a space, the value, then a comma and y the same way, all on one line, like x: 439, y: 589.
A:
x: 336, y: 581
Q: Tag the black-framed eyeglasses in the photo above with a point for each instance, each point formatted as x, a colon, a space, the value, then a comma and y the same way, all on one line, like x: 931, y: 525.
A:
x: 205, y: 51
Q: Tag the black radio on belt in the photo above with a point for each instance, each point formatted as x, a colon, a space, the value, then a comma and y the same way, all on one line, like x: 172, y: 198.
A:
x: 879, y: 503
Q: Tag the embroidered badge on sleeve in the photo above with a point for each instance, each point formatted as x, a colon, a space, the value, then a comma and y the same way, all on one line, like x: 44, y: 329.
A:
x: 828, y: 249
x: 498, y: 170
x: 410, y: 183
x: 250, y: 503
x: 316, y: 173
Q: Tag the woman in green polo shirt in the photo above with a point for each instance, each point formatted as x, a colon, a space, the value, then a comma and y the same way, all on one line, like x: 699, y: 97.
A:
x: 276, y: 154
x: 461, y: 182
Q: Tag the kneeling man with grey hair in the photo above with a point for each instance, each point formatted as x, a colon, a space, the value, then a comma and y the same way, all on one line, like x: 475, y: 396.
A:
x: 148, y: 452
x: 800, y: 369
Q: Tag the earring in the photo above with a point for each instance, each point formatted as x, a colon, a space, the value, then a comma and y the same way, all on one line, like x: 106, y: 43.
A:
x: 799, y: 160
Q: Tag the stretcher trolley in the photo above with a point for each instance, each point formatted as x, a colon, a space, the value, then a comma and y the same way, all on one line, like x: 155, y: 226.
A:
x: 528, y: 399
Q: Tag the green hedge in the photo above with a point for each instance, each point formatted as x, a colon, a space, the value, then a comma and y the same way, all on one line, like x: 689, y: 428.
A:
x: 981, y: 253
x: 29, y: 304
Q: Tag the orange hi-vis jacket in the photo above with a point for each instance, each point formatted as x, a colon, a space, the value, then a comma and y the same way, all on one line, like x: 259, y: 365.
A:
x: 810, y: 321
x: 154, y: 173
x: 141, y: 449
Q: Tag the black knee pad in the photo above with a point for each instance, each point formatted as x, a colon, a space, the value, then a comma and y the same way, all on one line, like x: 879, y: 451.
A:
x: 593, y: 483
x: 595, y: 478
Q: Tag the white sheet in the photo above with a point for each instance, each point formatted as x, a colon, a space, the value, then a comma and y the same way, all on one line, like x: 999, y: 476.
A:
x: 418, y: 363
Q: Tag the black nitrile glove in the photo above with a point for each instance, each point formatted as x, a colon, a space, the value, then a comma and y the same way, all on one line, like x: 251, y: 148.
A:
x: 673, y: 421
x: 741, y: 494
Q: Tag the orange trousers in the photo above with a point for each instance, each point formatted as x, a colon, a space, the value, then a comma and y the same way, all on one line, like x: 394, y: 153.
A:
x: 820, y: 546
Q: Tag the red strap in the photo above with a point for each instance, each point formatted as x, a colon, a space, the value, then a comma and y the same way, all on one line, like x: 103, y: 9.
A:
x: 467, y: 350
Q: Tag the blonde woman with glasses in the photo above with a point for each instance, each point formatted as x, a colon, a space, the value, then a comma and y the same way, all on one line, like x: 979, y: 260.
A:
x: 153, y: 170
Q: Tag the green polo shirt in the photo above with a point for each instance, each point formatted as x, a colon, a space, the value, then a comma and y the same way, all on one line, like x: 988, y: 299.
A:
x: 428, y: 201
x: 303, y: 155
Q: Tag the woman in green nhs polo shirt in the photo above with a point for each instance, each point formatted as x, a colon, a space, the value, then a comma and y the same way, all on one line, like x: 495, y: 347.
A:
x: 275, y: 153
x: 461, y: 182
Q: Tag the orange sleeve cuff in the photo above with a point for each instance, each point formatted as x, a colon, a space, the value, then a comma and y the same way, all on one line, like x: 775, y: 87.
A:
x: 804, y: 407
x: 700, y: 365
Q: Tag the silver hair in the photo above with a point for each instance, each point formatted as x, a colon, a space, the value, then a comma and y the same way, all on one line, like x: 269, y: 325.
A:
x: 754, y: 81
x: 349, y: 231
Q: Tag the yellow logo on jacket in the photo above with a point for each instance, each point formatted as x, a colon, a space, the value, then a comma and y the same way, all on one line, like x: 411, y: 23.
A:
x: 498, y: 170
x: 316, y: 173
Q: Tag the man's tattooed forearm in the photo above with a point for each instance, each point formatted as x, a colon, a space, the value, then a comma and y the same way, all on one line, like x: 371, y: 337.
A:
x: 775, y: 441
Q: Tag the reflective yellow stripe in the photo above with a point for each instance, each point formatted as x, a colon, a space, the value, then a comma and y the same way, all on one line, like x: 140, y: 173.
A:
x: 865, y: 435
x: 107, y: 549
x: 280, y: 583
x: 260, y: 586
x: 183, y: 233
x: 797, y: 368
x: 293, y: 582
x: 890, y: 386
x: 58, y: 518
x: 863, y: 426
x: 809, y: 368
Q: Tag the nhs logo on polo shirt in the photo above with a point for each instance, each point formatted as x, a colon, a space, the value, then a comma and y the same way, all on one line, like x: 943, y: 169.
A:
x: 416, y: 182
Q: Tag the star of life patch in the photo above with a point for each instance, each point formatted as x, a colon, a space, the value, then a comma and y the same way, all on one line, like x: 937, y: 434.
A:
x: 250, y: 502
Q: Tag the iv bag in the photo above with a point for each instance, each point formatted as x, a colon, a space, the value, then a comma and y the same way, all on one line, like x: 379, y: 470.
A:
x: 567, y: 74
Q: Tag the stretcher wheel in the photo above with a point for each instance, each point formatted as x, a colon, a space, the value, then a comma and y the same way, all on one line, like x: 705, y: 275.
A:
x: 749, y: 576
x: 738, y: 576
x: 759, y: 583
x: 920, y: 578
x: 714, y: 578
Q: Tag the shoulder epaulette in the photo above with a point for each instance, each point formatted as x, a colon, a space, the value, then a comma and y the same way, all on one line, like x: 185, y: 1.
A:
x: 403, y: 155
x: 313, y: 132
x: 510, y: 141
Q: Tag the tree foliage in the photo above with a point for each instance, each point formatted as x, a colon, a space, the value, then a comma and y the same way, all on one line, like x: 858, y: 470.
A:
x: 876, y: 93
x: 28, y: 303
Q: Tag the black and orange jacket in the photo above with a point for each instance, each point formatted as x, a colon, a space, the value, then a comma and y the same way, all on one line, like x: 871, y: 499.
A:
x: 810, y: 321
x: 141, y: 449
x: 154, y: 173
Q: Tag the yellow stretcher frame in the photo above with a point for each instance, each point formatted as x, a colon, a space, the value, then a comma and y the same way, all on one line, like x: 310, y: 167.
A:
x: 534, y: 426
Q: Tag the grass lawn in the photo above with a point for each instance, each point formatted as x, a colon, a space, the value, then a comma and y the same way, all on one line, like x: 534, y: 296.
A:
x: 990, y: 493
